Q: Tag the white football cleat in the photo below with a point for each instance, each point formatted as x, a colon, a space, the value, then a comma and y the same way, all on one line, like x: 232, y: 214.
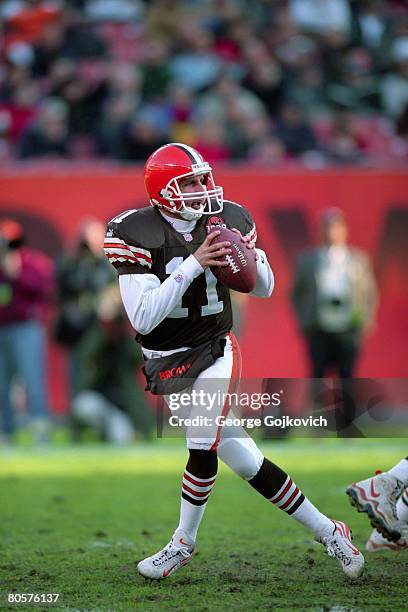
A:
x: 340, y: 546
x: 376, y: 542
x: 377, y: 496
x: 178, y: 552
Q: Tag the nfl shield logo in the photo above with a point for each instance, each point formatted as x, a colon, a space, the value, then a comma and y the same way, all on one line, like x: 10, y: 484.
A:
x: 187, y: 237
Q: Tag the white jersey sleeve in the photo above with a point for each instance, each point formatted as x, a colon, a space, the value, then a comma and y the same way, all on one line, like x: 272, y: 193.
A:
x: 148, y: 302
x: 265, y: 280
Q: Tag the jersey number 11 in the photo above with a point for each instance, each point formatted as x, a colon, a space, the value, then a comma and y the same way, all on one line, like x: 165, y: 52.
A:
x: 213, y: 306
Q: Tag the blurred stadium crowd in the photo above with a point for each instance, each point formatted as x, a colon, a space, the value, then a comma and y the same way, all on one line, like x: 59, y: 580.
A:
x: 274, y: 82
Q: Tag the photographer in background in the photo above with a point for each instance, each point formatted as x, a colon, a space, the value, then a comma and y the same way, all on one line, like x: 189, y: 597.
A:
x: 107, y: 397
x: 82, y: 273
x: 26, y: 283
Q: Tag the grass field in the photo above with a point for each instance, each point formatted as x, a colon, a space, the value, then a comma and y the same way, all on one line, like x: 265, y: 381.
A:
x: 75, y: 521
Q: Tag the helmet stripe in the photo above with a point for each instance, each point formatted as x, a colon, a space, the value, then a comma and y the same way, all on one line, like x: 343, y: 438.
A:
x: 192, y: 153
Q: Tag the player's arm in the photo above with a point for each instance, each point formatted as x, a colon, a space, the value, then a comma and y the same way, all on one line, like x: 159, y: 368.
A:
x: 148, y: 302
x: 265, y: 280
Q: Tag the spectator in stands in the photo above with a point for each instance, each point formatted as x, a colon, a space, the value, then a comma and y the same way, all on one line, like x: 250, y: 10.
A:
x: 295, y: 52
x: 105, y: 394
x: 48, y: 135
x: 250, y: 133
x: 210, y: 142
x: 125, y: 79
x: 26, y: 285
x: 83, y: 101
x: 374, y: 28
x: 111, y: 129
x: 49, y: 49
x: 196, y: 65
x: 231, y: 61
x: 269, y: 151
x: 344, y: 144
x: 119, y: 10
x: 357, y: 86
x: 26, y: 20
x: 322, y: 16
x: 309, y: 92
x: 402, y: 124
x: 293, y: 130
x: 216, y: 103
x: 156, y: 75
x: 17, y: 113
x: 66, y: 38
x: 263, y: 76
x: 163, y: 18
x: 82, y: 274
x: 394, y: 85
x: 181, y: 102
x: 141, y: 138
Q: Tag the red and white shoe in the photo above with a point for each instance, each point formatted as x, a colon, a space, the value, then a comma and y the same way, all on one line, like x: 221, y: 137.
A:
x: 376, y: 543
x: 340, y: 546
x: 377, y: 496
x: 178, y: 552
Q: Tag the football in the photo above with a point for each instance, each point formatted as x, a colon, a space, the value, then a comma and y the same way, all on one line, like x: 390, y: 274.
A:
x: 240, y: 274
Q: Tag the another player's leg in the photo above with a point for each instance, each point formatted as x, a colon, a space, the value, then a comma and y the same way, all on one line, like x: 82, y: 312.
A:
x: 198, y: 480
x: 243, y: 456
x: 378, y: 497
x: 376, y: 542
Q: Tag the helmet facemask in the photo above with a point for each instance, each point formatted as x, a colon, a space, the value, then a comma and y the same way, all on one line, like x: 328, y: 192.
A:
x: 211, y: 196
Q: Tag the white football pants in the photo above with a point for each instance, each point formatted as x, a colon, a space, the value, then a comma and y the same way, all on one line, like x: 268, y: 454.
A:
x: 234, y: 446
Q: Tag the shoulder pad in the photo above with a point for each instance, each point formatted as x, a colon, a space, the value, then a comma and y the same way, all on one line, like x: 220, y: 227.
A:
x: 141, y: 227
x: 237, y: 216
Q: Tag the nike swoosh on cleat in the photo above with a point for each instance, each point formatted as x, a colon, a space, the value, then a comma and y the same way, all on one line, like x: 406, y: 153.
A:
x: 167, y: 572
x: 183, y: 542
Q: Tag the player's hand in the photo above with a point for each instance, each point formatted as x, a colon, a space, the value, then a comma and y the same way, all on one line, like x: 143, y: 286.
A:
x: 208, y: 254
x: 249, y: 244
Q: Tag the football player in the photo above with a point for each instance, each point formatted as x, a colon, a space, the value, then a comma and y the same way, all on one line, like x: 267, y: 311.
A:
x: 384, y: 497
x: 163, y: 255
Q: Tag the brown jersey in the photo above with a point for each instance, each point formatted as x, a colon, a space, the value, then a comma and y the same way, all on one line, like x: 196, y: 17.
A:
x: 143, y: 242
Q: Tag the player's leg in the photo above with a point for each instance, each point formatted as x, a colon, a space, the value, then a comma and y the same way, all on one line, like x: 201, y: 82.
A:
x: 378, y: 497
x: 198, y: 480
x: 201, y: 469
x: 237, y: 450
x: 376, y: 542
